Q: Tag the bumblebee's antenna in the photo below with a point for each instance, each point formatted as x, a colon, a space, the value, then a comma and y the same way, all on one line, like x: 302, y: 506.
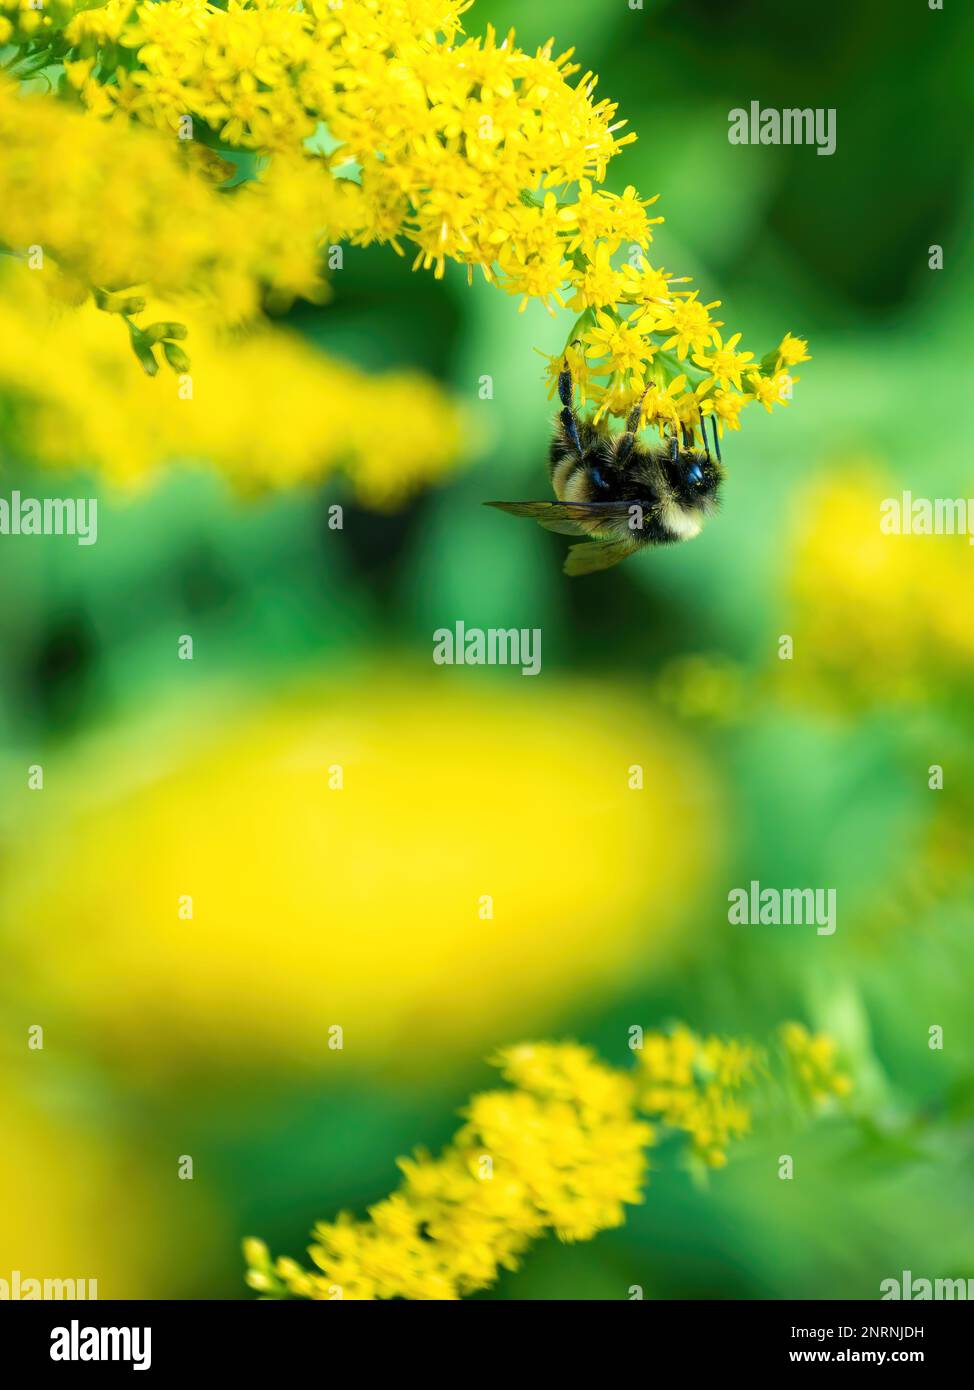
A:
x: 713, y: 426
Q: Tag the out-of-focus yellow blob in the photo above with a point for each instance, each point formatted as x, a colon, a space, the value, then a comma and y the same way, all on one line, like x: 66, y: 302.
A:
x: 78, y: 1203
x: 875, y: 615
x: 484, y: 862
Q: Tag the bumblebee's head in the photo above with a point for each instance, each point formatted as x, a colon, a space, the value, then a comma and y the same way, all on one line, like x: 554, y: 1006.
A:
x: 695, y: 478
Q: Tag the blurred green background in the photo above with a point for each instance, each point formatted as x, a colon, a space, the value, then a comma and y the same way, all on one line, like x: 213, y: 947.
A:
x: 160, y: 1042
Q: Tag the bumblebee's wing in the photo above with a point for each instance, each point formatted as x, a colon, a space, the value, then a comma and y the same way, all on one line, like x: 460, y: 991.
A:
x: 553, y: 516
x: 567, y: 518
x: 595, y: 555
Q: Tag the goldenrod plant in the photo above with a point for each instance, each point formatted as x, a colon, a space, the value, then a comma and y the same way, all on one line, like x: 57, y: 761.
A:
x: 562, y: 1150
x: 231, y: 150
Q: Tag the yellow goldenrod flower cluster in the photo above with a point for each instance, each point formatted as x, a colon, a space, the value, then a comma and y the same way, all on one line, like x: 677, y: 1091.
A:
x: 448, y: 134
x: 393, y: 126
x: 692, y: 1084
x: 562, y: 1151
x: 264, y: 407
x: 32, y: 24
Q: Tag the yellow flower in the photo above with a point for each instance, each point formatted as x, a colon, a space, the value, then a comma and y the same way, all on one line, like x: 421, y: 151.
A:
x: 648, y: 286
x: 528, y: 253
x: 78, y: 73
x: 598, y: 284
x: 791, y: 351
x: 661, y: 404
x: 624, y: 346
x: 615, y: 398
x: 722, y: 360
x: 602, y: 220
x: 574, y: 356
x: 725, y: 406
x: 771, y: 390
x: 689, y: 325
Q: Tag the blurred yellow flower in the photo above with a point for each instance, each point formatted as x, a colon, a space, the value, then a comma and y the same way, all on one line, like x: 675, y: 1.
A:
x: 812, y: 1059
x: 73, y: 1208
x: 115, y: 207
x: 705, y: 686
x: 263, y: 407
x: 690, y: 1084
x: 439, y: 899
x: 874, y: 615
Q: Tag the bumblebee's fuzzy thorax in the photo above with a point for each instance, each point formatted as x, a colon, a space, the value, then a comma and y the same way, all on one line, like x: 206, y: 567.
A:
x: 693, y: 479
x: 677, y: 494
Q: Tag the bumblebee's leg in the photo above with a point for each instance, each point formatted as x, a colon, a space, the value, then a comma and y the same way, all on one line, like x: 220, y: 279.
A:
x: 569, y: 420
x: 703, y: 435
x: 713, y: 426
x: 626, y: 441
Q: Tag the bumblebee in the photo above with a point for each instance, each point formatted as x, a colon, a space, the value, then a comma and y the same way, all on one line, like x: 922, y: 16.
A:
x: 622, y: 494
